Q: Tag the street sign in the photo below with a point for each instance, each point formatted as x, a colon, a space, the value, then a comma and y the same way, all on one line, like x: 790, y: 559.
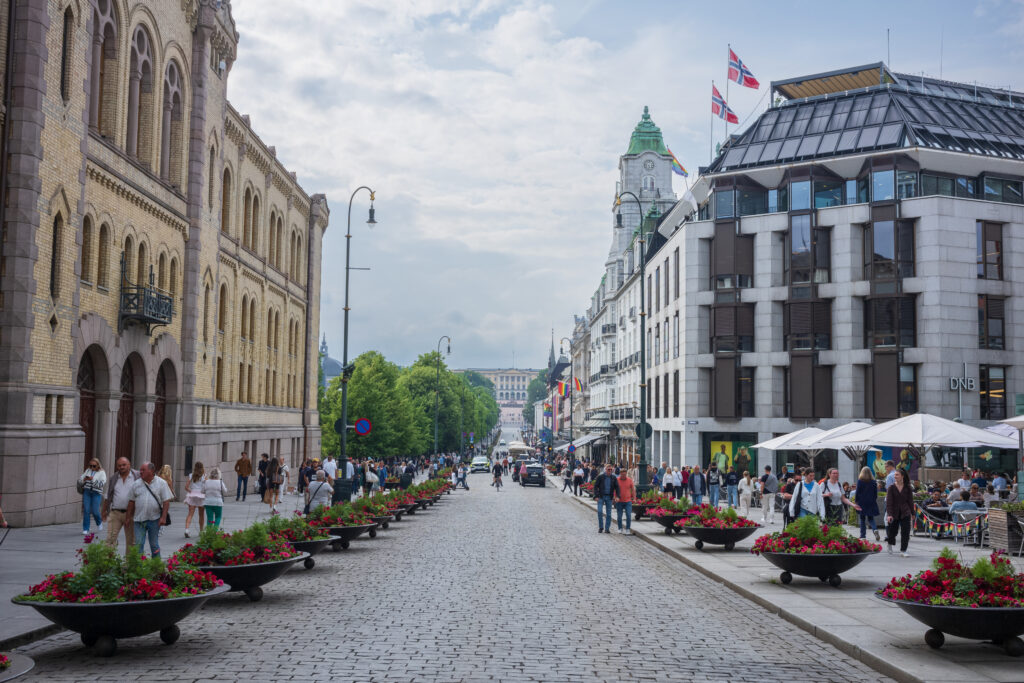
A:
x: 339, y: 426
x: 571, y: 448
x: 644, y: 430
x: 363, y: 426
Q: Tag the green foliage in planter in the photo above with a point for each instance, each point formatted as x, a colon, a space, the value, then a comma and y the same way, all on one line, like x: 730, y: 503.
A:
x: 808, y: 529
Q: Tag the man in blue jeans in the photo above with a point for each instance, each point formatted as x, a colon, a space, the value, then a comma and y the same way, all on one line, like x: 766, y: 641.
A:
x: 732, y: 481
x: 606, y: 488
x: 149, y: 501
x: 714, y: 477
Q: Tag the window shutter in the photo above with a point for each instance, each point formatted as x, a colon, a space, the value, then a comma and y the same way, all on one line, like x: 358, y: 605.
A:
x: 885, y: 384
x: 822, y: 311
x: 725, y: 321
x: 745, y: 255
x: 725, y: 387
x: 724, y: 248
x: 745, y: 320
x: 801, y: 394
x: 995, y: 306
x: 823, y: 391
x: 800, y: 318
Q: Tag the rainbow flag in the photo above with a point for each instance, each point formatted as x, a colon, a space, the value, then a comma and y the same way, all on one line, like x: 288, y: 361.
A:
x: 563, y: 389
x: 676, y: 166
x: 579, y: 387
x: 547, y: 410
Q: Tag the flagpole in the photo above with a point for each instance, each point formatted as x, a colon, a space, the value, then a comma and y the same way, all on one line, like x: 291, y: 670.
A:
x: 727, y: 79
x: 711, y: 138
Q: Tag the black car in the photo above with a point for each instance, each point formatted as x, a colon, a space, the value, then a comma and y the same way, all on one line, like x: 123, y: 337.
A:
x: 535, y: 474
x: 516, y: 466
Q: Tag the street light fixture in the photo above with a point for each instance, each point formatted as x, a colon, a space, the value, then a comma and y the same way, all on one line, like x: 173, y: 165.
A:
x: 437, y: 383
x: 642, y: 435
x: 371, y: 221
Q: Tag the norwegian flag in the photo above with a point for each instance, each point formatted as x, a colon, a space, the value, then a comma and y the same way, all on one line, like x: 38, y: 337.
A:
x: 720, y: 108
x: 739, y: 72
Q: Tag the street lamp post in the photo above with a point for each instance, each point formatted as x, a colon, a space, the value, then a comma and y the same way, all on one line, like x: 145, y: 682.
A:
x: 572, y: 390
x: 346, y: 372
x: 437, y: 384
x: 642, y: 435
x: 462, y: 422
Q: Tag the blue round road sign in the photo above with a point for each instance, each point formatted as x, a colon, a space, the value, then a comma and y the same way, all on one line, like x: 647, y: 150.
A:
x: 363, y: 426
x: 571, y: 448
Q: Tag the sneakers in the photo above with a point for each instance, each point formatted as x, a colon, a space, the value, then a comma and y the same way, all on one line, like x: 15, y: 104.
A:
x: 85, y: 532
x: 599, y: 530
x: 188, y: 535
x: 100, y: 527
x: 890, y: 548
x: 905, y: 554
x: 877, y: 537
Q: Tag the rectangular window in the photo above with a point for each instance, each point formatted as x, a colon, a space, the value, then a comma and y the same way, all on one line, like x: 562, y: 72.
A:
x: 773, y: 201
x: 675, y: 335
x: 675, y: 393
x: 966, y: 188
x: 827, y: 193
x: 657, y: 396
x: 932, y: 185
x: 657, y: 288
x: 724, y: 204
x: 665, y: 327
x: 991, y: 322
x: 800, y: 249
x: 664, y: 392
x: 675, y: 272
x: 650, y: 294
x: 657, y: 343
x: 666, y: 281
x: 908, y: 390
x: 751, y: 201
x: 862, y: 190
x: 649, y: 354
x: 990, y: 251
x: 906, y: 184
x: 992, y: 392
x: 745, y: 392
x: 801, y: 195
x: 889, y: 250
x: 882, y: 186
x: 851, y: 191
x: 890, y: 321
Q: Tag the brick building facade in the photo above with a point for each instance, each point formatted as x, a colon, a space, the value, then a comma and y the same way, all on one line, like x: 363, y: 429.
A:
x: 159, y: 267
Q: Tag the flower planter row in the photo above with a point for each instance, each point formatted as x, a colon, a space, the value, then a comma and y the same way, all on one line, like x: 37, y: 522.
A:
x: 100, y: 624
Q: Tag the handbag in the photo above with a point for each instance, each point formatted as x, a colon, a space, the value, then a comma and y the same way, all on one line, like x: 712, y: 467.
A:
x: 158, y: 503
x: 305, y: 510
x: 80, y: 486
x: 372, y: 478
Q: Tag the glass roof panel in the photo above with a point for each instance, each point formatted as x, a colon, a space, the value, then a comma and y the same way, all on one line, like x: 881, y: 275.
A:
x: 753, y: 153
x: 733, y: 158
x: 771, y: 152
x: 877, y: 114
x: 789, y: 148
x: 828, y: 143
x: 856, y: 119
x: 862, y: 102
x: 868, y: 137
x: 890, y: 134
x: 799, y: 126
x: 809, y: 146
x: 848, y: 140
x: 781, y: 128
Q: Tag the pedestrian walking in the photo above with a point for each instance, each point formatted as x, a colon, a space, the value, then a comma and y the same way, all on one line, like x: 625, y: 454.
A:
x: 147, y: 508
x: 261, y: 478
x: 769, y: 487
x: 463, y: 471
x: 624, y: 501
x: 284, y: 477
x: 746, y: 491
x: 678, y: 479
x: 115, y: 506
x: 214, y: 490
x: 319, y: 492
x: 167, y: 475
x: 91, y: 484
x: 807, y: 498
x: 273, y: 485
x: 195, y: 498
x: 243, y: 470
x: 606, y: 488
x: 577, y: 479
x: 714, y: 477
x: 866, y: 496
x: 835, y: 497
x: 567, y: 479
x: 732, y: 482
x: 698, y: 485
x: 330, y: 468
x: 899, y: 511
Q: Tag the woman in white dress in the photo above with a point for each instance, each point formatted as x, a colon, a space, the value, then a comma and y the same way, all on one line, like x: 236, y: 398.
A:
x: 195, y: 497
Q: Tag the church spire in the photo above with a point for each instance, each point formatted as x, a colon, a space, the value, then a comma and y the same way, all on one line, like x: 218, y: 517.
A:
x: 551, y: 356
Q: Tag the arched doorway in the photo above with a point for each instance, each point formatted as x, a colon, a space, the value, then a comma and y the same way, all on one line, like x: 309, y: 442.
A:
x: 159, y: 415
x: 87, y: 404
x: 126, y: 415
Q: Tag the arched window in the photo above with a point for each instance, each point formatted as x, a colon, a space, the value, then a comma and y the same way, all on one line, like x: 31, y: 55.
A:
x: 172, y: 128
x: 140, y: 97
x: 247, y: 218
x: 210, y: 176
x: 128, y: 255
x: 172, y: 281
x: 103, y: 256
x: 104, y: 69
x: 55, y: 251
x: 280, y: 239
x: 254, y: 235
x: 161, y: 272
x: 277, y: 331
x: 206, y: 313
x: 271, y: 253
x: 270, y: 327
x: 67, y: 39
x: 220, y: 377
x: 245, y: 315
x: 225, y: 203
x: 87, y: 255
x: 142, y: 265
x: 648, y: 182
x: 252, y: 319
x: 222, y: 310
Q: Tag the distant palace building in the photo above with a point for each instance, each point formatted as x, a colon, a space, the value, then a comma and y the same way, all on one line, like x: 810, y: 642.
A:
x: 509, y: 391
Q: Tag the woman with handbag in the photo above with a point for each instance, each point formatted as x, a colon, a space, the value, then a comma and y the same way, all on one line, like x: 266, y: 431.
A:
x: 91, y: 484
x: 273, y: 484
x: 283, y: 477
x: 214, y: 489
x: 195, y: 497
x: 370, y: 478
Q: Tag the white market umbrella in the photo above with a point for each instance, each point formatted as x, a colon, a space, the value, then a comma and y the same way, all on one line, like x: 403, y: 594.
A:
x: 787, y: 442
x: 1018, y: 424
x: 839, y: 439
x: 926, y: 431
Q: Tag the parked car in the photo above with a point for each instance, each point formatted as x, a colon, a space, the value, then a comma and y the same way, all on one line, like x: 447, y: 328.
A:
x: 516, y: 466
x: 534, y: 475
x: 480, y: 464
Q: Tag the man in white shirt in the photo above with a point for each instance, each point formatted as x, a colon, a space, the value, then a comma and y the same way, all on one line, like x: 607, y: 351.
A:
x: 149, y: 501
x: 320, y: 491
x: 330, y: 468
x: 890, y: 474
x: 115, y: 506
x: 577, y: 479
x: 965, y: 481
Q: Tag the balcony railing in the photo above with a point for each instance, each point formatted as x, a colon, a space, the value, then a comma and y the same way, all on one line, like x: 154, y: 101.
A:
x: 142, y: 304
x: 608, y: 329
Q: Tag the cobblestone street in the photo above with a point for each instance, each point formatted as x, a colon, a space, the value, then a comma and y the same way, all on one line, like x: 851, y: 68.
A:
x: 509, y: 585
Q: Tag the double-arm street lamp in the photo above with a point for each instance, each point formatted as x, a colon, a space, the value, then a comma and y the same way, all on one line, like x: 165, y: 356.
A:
x: 641, y: 433
x: 346, y: 372
x: 437, y: 384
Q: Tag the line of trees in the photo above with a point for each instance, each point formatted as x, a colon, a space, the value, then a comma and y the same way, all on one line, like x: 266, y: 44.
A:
x: 399, y: 402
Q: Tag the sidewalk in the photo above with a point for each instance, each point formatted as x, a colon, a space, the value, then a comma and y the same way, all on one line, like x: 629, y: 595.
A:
x: 850, y: 617
x: 28, y: 555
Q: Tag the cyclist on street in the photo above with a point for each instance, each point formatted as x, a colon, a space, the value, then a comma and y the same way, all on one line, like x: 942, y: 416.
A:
x: 497, y: 477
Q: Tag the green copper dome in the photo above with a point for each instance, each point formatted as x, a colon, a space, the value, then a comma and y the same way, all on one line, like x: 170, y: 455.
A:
x: 646, y: 136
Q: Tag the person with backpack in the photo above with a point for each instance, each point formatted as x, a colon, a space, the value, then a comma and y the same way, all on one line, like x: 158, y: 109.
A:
x: 732, y: 481
x: 807, y: 498
x: 714, y: 477
x: 769, y: 487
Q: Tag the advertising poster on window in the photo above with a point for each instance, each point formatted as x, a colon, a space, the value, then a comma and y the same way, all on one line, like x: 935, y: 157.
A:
x: 726, y: 454
x: 901, y: 457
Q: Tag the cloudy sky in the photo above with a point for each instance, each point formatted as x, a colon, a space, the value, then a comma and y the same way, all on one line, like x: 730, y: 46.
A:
x: 491, y: 132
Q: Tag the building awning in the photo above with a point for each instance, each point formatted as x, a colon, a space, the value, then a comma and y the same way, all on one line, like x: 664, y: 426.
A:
x: 598, y: 423
x: 582, y: 441
x: 843, y: 80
